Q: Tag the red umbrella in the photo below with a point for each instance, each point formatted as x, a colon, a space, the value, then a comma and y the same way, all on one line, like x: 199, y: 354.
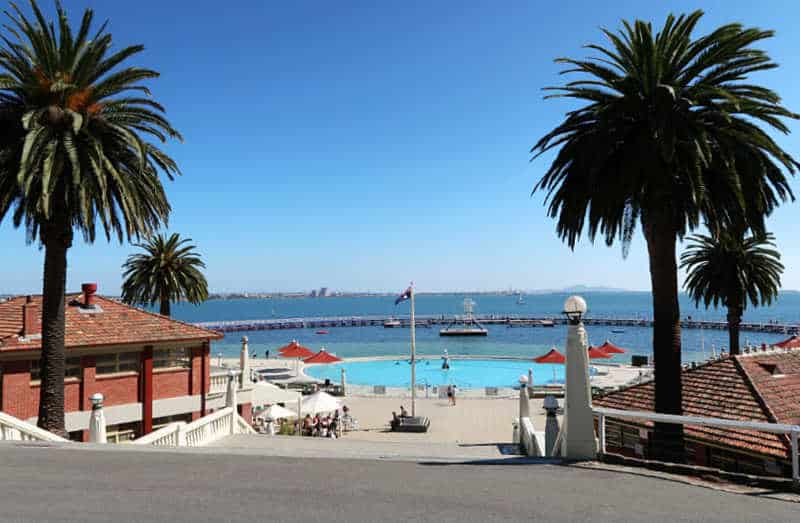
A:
x: 295, y: 350
x: 610, y: 348
x: 551, y: 357
x: 596, y: 353
x: 322, y: 356
x: 790, y: 343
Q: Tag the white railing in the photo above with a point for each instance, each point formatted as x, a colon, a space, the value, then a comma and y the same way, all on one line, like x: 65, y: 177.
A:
x: 793, y: 431
x: 169, y: 436
x: 219, y: 383
x: 13, y: 429
x: 198, y: 433
x: 528, y: 441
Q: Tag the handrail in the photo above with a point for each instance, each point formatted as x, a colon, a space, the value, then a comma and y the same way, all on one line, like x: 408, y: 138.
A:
x: 167, y: 436
x: 14, y: 429
x: 209, y: 428
x: 793, y: 431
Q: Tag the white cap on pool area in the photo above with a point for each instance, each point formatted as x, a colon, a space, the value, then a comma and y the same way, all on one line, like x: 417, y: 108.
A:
x: 575, y: 305
x: 523, y: 379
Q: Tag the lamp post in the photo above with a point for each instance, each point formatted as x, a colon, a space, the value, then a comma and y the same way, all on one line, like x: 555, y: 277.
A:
x: 244, y: 362
x: 578, y: 441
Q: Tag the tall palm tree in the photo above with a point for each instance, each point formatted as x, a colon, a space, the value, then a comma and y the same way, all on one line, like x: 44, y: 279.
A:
x: 668, y: 133
x: 74, y: 157
x: 168, y: 271
x: 732, y: 270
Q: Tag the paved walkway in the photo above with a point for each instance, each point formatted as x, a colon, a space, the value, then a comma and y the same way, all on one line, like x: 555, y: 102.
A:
x: 87, y: 484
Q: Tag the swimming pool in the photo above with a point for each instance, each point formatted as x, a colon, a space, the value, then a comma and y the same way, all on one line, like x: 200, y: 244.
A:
x: 466, y: 374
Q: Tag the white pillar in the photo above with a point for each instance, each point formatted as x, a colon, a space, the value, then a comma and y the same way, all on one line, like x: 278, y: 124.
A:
x: 344, y: 383
x: 230, y: 398
x: 551, y: 424
x: 524, y: 405
x: 244, y: 362
x: 578, y: 441
x: 97, y: 421
x: 530, y: 383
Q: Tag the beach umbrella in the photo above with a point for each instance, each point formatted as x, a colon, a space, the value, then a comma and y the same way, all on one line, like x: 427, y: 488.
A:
x: 789, y: 343
x: 595, y: 353
x: 322, y: 356
x: 319, y: 402
x: 295, y: 350
x: 276, y: 412
x: 551, y: 357
x: 610, y: 348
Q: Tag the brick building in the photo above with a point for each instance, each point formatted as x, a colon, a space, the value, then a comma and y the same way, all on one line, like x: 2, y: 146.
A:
x: 759, y: 386
x: 152, y: 370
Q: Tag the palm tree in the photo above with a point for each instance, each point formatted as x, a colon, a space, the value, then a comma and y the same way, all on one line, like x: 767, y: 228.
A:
x: 732, y: 270
x: 168, y: 271
x: 668, y: 134
x: 74, y: 157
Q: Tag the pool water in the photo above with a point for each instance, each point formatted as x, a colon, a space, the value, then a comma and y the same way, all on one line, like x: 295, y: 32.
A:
x: 466, y: 374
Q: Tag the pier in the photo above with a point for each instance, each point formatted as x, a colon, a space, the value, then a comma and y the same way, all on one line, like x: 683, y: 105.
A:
x: 494, y: 319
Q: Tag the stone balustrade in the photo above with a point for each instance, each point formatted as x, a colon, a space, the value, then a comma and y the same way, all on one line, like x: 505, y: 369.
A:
x: 13, y: 429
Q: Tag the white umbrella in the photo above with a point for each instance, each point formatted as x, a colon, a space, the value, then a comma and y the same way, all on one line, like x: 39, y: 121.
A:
x: 319, y: 402
x: 276, y: 412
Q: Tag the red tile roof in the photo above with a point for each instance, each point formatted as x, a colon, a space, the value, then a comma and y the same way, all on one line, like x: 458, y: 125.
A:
x: 115, y: 324
x: 763, y: 387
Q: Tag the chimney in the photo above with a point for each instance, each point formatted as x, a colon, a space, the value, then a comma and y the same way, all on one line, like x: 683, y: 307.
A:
x: 29, y: 313
x: 88, y: 290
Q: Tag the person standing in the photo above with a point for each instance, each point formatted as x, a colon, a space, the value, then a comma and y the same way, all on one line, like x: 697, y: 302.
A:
x: 266, y: 354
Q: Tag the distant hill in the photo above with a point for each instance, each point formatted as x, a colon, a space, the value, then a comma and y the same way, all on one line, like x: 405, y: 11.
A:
x: 581, y: 288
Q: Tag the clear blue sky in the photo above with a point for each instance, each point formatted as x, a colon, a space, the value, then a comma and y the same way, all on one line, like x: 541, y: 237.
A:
x: 362, y: 145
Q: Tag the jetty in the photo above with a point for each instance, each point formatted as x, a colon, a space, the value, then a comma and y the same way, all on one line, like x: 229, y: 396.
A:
x: 493, y: 319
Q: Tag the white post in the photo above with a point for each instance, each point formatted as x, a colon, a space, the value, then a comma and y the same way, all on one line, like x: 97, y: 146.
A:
x: 551, y: 428
x: 795, y: 465
x: 601, y: 428
x: 578, y: 441
x: 524, y: 405
x: 244, y: 363
x: 299, y: 417
x: 97, y: 422
x: 530, y: 382
x: 413, y: 358
x: 344, y: 383
x: 230, y: 398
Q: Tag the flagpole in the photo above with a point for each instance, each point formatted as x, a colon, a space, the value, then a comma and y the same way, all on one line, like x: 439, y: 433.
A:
x: 413, y: 357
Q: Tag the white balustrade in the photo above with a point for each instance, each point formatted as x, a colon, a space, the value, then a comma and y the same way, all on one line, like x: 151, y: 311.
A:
x: 13, y: 429
x: 168, y: 436
x: 200, y: 432
x: 219, y: 383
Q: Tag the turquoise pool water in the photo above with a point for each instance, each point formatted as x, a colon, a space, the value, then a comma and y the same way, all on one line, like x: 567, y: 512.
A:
x: 466, y: 374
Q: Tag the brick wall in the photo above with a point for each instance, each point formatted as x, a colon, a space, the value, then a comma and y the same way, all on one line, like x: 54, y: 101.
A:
x: 117, y: 389
x: 17, y: 389
x: 170, y: 383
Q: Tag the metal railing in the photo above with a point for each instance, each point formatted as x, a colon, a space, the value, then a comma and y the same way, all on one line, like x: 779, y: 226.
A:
x: 793, y: 431
x: 13, y: 429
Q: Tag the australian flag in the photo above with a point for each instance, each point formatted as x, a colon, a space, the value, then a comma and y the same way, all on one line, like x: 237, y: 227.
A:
x: 406, y: 295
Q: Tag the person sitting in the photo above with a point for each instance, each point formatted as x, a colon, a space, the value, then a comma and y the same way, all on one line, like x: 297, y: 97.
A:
x: 316, y: 424
x: 403, y: 412
x: 308, y: 425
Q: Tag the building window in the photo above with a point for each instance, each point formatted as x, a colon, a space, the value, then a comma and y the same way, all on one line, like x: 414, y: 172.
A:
x: 72, y: 369
x: 119, y: 362
x: 172, y: 358
x: 123, y: 432
x: 166, y: 420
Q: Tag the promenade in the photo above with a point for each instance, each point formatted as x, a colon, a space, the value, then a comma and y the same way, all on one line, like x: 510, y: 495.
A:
x: 87, y: 484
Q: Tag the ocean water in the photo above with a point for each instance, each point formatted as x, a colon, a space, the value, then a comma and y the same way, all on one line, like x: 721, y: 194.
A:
x: 502, y: 340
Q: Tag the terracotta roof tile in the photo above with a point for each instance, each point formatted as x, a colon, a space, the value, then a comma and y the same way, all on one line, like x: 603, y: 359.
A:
x: 736, y: 388
x: 116, y: 324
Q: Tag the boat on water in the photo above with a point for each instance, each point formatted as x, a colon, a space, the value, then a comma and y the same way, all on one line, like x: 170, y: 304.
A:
x: 323, y: 332
x: 520, y: 299
x: 618, y: 331
x: 466, y: 326
x: 391, y: 324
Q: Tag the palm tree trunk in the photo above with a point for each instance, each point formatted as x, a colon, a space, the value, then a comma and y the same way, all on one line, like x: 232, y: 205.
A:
x: 734, y: 323
x: 57, y: 239
x: 667, y: 443
x: 165, y: 306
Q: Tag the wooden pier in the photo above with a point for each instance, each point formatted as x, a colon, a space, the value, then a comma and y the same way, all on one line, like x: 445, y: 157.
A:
x: 510, y: 321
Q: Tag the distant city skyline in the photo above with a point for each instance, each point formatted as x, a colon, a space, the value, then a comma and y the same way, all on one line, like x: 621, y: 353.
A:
x: 369, y: 145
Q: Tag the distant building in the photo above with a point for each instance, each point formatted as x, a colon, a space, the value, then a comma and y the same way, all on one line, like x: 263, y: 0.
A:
x: 759, y: 386
x: 151, y: 370
x: 324, y: 292
x: 313, y: 293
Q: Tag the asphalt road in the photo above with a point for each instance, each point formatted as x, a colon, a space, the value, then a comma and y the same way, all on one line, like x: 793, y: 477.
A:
x: 67, y: 484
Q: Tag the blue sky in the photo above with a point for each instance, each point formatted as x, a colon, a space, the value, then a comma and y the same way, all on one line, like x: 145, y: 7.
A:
x: 362, y: 145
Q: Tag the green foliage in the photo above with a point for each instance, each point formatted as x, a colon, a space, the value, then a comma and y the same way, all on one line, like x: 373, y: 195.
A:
x: 72, y: 136
x: 169, y: 269
x: 730, y: 270
x: 669, y: 129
